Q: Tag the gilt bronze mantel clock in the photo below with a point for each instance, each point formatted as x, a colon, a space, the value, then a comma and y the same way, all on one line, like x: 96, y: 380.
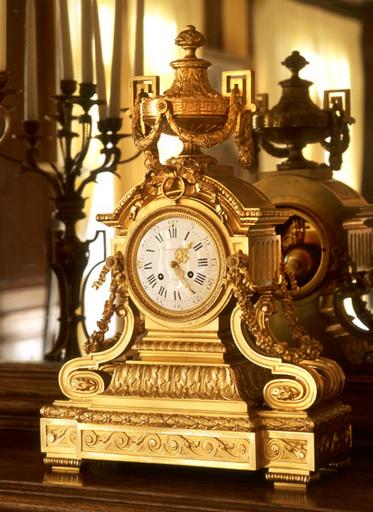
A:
x: 328, y: 240
x: 196, y: 376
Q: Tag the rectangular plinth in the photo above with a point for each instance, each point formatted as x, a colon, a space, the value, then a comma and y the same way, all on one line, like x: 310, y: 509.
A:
x: 69, y: 439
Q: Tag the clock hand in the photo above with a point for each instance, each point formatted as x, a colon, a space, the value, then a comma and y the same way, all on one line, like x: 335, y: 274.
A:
x: 180, y: 275
x: 181, y: 254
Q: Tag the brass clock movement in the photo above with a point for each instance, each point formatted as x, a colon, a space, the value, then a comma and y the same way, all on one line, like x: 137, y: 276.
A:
x: 328, y: 239
x: 196, y: 376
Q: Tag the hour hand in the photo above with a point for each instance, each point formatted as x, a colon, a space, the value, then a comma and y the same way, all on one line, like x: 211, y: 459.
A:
x: 181, y: 254
x: 180, y: 275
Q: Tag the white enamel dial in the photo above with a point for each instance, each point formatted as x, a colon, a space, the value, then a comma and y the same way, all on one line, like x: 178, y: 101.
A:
x: 177, y: 264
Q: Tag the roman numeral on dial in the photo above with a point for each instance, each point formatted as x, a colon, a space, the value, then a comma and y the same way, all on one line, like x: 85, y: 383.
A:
x: 152, y: 280
x: 172, y: 232
x: 177, y: 295
x: 202, y: 262
x: 200, y: 278
x: 162, y: 292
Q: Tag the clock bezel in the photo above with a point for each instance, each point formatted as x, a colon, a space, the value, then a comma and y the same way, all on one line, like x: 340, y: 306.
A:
x: 137, y: 291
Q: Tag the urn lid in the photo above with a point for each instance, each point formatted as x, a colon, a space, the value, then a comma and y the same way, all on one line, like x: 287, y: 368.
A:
x: 196, y: 106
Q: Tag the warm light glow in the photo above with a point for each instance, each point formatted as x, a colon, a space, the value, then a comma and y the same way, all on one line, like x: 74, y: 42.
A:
x: 100, y: 198
x: 94, y: 300
x: 159, y: 37
x: 351, y: 312
x: 106, y: 16
x: 160, y: 51
x: 102, y: 195
x: 168, y: 147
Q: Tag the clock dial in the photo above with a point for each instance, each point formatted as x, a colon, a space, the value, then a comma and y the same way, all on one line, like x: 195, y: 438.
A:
x: 176, y: 261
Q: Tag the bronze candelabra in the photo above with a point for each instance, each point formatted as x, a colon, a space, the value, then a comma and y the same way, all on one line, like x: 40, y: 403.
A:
x: 67, y: 253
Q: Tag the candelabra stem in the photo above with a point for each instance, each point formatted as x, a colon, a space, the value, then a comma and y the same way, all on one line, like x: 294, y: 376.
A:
x: 68, y: 258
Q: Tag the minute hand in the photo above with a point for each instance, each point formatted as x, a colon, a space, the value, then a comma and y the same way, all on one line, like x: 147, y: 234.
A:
x: 180, y: 275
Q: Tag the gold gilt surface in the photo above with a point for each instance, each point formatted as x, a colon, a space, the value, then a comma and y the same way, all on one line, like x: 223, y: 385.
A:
x: 187, y: 382
x: 214, y: 388
x: 169, y: 444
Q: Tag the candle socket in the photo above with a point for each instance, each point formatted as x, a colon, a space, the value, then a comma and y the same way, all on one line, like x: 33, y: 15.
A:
x: 110, y: 124
x: 31, y: 128
x: 68, y: 87
x: 109, y: 128
x: 87, y: 89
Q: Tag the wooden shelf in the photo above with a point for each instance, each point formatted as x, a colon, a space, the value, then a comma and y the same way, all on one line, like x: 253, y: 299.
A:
x: 24, y: 388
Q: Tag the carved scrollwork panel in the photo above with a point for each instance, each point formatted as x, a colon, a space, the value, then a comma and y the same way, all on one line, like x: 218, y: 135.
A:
x: 197, y: 447
x: 289, y: 424
x: 60, y: 436
x: 286, y: 450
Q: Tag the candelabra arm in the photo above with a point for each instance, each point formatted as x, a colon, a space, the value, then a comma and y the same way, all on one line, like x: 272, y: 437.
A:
x: 10, y: 158
x: 65, y: 134
x: 86, y: 138
x: 109, y: 165
x: 30, y: 162
x: 56, y: 172
x: 30, y: 165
